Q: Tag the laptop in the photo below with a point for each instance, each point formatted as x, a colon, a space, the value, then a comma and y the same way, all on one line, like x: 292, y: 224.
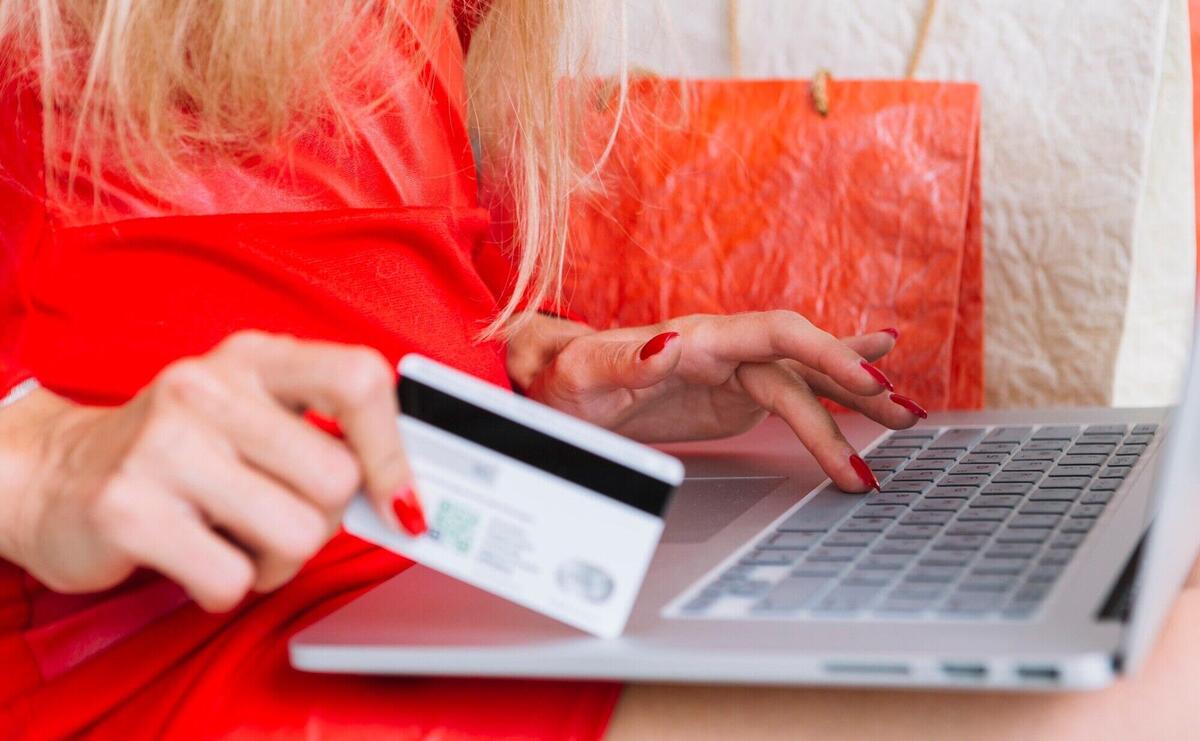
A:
x: 1008, y: 549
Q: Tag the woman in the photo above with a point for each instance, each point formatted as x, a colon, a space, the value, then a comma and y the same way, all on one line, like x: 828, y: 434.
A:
x: 218, y: 217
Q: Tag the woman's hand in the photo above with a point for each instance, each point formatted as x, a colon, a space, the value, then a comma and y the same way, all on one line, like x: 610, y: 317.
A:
x: 700, y: 377
x: 210, y: 475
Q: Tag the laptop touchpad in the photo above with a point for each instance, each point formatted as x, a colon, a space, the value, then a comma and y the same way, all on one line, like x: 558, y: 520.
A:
x: 703, y: 506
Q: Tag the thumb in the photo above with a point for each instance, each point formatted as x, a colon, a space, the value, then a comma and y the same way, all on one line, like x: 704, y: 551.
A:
x: 596, y: 364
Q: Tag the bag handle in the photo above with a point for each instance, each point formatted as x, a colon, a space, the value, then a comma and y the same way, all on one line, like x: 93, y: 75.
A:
x: 914, y: 58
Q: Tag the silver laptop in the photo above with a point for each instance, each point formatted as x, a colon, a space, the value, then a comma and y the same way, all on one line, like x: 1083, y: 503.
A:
x: 1018, y: 549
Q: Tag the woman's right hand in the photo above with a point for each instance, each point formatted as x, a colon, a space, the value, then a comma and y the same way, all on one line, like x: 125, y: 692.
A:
x: 210, y: 475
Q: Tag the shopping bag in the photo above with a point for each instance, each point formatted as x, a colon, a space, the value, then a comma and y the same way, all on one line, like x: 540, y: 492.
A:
x: 1089, y: 206
x: 730, y: 196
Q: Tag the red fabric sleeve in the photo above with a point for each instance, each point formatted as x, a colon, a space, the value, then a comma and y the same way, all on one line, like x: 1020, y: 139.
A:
x: 22, y: 215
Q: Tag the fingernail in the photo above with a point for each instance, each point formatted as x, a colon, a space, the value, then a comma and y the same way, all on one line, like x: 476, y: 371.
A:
x: 895, y: 333
x: 408, y: 512
x: 323, y: 423
x: 910, y: 405
x: 877, y: 374
x: 656, y: 344
x: 864, y: 472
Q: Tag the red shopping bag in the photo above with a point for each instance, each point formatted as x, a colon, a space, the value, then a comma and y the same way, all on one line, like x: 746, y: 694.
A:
x: 729, y: 196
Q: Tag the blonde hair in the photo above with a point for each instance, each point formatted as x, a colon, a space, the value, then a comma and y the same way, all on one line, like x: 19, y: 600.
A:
x: 155, y: 81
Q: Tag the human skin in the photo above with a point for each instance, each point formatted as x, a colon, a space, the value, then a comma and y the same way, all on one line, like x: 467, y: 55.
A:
x: 211, y: 477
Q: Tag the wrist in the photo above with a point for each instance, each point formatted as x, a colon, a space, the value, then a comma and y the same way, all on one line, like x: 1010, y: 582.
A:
x: 30, y: 450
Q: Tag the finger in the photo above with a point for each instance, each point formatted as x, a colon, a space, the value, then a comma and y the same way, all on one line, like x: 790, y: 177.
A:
x: 166, y: 534
x: 890, y: 410
x: 594, y: 364
x: 780, y: 391
x: 355, y: 387
x: 312, y: 463
x: 277, y: 527
x: 873, y: 345
x: 779, y: 335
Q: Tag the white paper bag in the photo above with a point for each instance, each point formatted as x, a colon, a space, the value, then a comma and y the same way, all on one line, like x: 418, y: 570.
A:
x: 1087, y: 152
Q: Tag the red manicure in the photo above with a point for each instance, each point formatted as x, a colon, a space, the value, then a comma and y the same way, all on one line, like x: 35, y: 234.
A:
x: 910, y: 405
x: 895, y: 333
x: 864, y: 472
x: 323, y: 423
x: 656, y: 344
x: 877, y: 374
x: 408, y: 512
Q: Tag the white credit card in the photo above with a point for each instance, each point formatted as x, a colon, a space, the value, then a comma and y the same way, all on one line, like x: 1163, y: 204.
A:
x: 524, y: 501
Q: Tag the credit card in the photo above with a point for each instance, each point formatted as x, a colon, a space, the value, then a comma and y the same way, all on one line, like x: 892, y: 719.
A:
x: 523, y: 501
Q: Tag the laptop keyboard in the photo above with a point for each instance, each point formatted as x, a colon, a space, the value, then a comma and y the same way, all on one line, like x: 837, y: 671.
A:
x: 971, y: 523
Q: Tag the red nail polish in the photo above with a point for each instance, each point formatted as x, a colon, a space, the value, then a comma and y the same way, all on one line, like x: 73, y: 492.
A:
x: 408, y: 512
x: 656, y: 344
x: 910, y: 405
x: 895, y: 333
x: 864, y: 472
x: 877, y: 374
x: 323, y: 423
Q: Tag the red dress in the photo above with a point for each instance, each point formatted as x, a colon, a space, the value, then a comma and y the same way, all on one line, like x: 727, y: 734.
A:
x: 379, y: 243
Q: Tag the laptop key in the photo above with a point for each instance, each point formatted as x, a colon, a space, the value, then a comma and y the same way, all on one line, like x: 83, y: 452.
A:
x: 1115, y: 472
x: 1027, y: 466
x: 1062, y: 471
x: 1082, y: 460
x: 1008, y: 435
x: 824, y: 571
x: 798, y: 541
x: 850, y: 539
x: 822, y: 511
x: 987, y: 583
x: 979, y: 513
x: 1004, y: 566
x: 1024, y: 535
x: 1003, y: 501
x: 960, y: 542
x: 847, y: 598
x: 938, y: 505
x: 1087, y: 510
x: 978, y: 527
x: 870, y: 510
x: 1067, y: 482
x: 984, y: 459
x: 898, y: 548
x: 1018, y: 477
x: 1056, y: 557
x: 952, y: 492
x: 913, y: 532
x: 771, y: 558
x: 1002, y: 448
x: 1043, y: 574
x: 1060, y: 432
x: 1046, y: 508
x: 1078, y: 525
x: 1106, y: 484
x: 1038, y: 521
x: 1123, y: 460
x: 1001, y: 489
x: 1097, y: 497
x: 1091, y: 449
x: 1145, y: 429
x: 1068, y: 540
x: 1037, y: 455
x: 955, y: 559
x: 932, y: 574
x: 1044, y: 494
x: 927, y: 518
x: 941, y: 455
x: 974, y: 469
x: 791, y: 594
x: 919, y: 591
x: 1013, y: 550
x: 884, y: 563
x: 965, y: 605
x: 833, y: 553
x: 1139, y: 439
x: 900, y: 497
x: 907, y: 475
x: 885, y: 465
x: 1113, y: 429
x: 753, y: 588
x: 962, y: 438
x: 933, y: 464
x: 1055, y: 445
x: 897, y: 487
x: 972, y: 481
x: 1100, y: 439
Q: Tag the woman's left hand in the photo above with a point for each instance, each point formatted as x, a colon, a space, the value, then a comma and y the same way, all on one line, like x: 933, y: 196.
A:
x: 700, y: 376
